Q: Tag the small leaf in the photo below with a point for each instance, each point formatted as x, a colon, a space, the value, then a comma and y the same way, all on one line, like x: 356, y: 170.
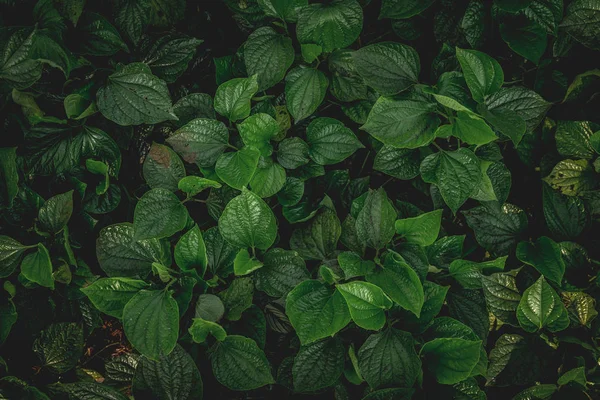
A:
x: 375, y: 221
x: 37, y: 267
x: 483, y: 74
x: 366, y: 303
x: 541, y: 307
x: 158, y: 214
x: 330, y: 142
x: 232, y: 99
x: 110, y: 295
x: 268, y: 55
x: 190, y: 251
x: 201, y: 328
x: 305, y: 90
x: 422, y: 230
x: 237, y: 168
x: 545, y: 256
x: 56, y: 212
x: 244, y: 264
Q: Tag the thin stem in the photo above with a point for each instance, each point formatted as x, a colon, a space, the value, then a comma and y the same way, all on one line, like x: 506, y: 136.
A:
x: 437, y: 145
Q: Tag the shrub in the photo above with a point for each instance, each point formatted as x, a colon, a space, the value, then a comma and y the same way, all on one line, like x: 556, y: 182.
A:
x: 268, y: 199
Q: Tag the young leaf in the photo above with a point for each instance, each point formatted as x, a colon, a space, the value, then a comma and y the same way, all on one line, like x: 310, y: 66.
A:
x: 483, y: 74
x: 232, y: 99
x: 190, y: 251
x: 305, y: 90
x: 10, y: 255
x: 151, y: 322
x: 56, y: 212
x: 316, y: 311
x: 37, y: 267
x: 245, y: 264
x: 201, y: 328
x: 248, y: 221
x: 422, y: 230
x: 366, y: 303
x: 451, y: 360
x: 158, y: 214
x: 471, y: 129
x: 236, y: 168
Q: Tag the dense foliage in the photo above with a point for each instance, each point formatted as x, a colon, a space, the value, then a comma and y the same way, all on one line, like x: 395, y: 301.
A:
x: 272, y: 199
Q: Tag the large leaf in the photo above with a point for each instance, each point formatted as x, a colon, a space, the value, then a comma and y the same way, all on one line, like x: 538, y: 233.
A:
x: 305, y: 90
x: 110, y: 295
x: 583, y: 22
x: 133, y: 96
x: 190, y: 251
x: 318, y: 365
x: 330, y: 142
x: 483, y: 74
x: 131, y: 17
x: 318, y: 239
x: 525, y: 37
x: 269, y: 55
x: 389, y: 359
x: 98, y: 36
x: 422, y: 230
x: 366, y: 302
x: 375, y: 221
x: 120, y: 255
x: 168, y: 56
x: 239, y: 364
x: 405, y: 121
x: 158, y: 214
x: 502, y: 296
x: 282, y: 271
x: 200, y: 141
x: 455, y: 173
x: 11, y: 252
x: 248, y: 221
x: 173, y: 376
x: 541, y: 307
x: 526, y: 103
x: 316, y: 311
x: 151, y: 322
x: 388, y: 67
x: 332, y: 26
x: 451, y: 359
x: 544, y: 255
x: 236, y: 168
x: 399, y: 163
x: 17, y: 69
x: 60, y: 346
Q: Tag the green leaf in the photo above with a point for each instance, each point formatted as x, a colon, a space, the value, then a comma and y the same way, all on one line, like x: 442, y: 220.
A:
x: 10, y: 255
x: 497, y: 227
x: 190, y: 251
x: 541, y: 307
x: 158, y: 214
x: 172, y: 376
x: 400, y: 282
x: 220, y: 253
x: 305, y: 89
x: 571, y: 177
x: 201, y: 328
x: 151, y: 322
x: 132, y: 17
x: 405, y: 121
x: 471, y: 129
x: 469, y: 273
x: 257, y: 130
x: 237, y: 298
x: 283, y: 9
x: 60, y: 346
x: 37, y: 267
x: 566, y: 216
x: 388, y: 67
x: 525, y: 37
x: 133, y: 96
x: 99, y: 37
x: 573, y: 139
x: 332, y: 26
x: 366, y: 303
x: 169, y: 55
x: 239, y: 364
x: 316, y: 311
x: 402, y: 9
x: 451, y: 360
x: 330, y: 142
x: 318, y: 240
x: 56, y: 212
x: 576, y: 375
x: 581, y: 307
x: 232, y: 99
x: 502, y: 296
x: 163, y: 168
x: 544, y: 255
x: 193, y: 185
x: 582, y: 22
x: 293, y: 153
x: 120, y: 255
x: 318, y: 365
x: 110, y: 295
x: 268, y: 179
x: 543, y: 391
x: 310, y: 52
x: 17, y: 69
x: 268, y: 55
x: 282, y: 271
x: 209, y: 308
x: 192, y: 106
x: 455, y: 173
x: 483, y: 74
x: 91, y: 390
x: 389, y: 358
x: 375, y: 221
x: 506, y: 121
x: 9, y: 176
x: 446, y: 249
x: 526, y: 103
x: 353, y: 265
x: 398, y: 163
x: 513, y: 361
x: 236, y: 168
x: 422, y: 230
x: 201, y: 141
x: 390, y: 394
x: 248, y: 221
x: 245, y: 264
